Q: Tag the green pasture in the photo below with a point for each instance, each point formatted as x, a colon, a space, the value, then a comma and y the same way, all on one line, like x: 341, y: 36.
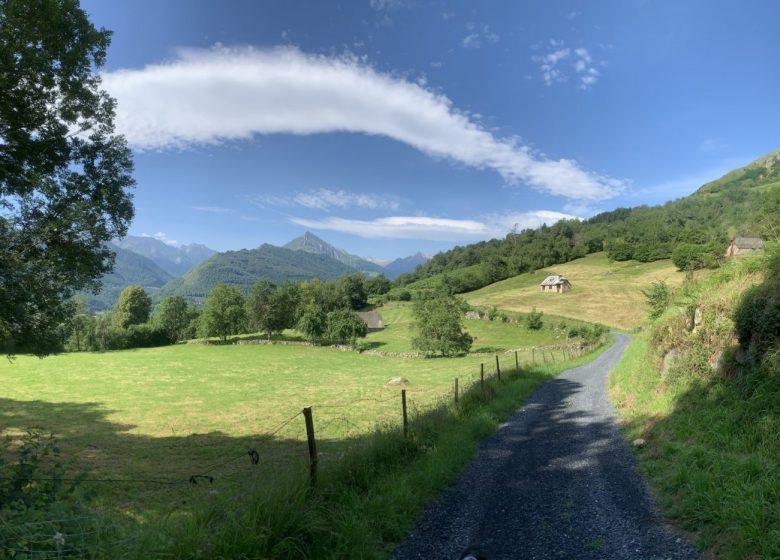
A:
x: 166, y: 414
x: 603, y: 292
x: 489, y: 336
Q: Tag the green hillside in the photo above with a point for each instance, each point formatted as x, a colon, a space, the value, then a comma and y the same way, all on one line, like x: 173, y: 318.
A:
x: 129, y: 268
x: 745, y: 201
x: 602, y: 291
x: 243, y: 268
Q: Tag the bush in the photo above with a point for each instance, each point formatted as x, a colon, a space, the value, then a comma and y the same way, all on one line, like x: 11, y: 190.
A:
x: 757, y: 317
x: 658, y: 298
x: 344, y: 326
x: 438, y: 322
x: 534, y: 320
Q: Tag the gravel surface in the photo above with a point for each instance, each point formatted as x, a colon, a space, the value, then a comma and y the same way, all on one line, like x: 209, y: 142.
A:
x: 555, y: 481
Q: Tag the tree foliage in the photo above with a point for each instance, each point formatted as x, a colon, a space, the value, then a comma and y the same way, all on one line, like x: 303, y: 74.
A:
x: 658, y: 296
x: 344, y: 326
x: 224, y: 314
x: 64, y: 172
x: 133, y: 307
x: 174, y: 315
x: 438, y: 324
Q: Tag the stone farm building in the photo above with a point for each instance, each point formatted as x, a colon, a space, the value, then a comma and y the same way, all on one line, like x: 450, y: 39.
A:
x: 743, y: 246
x: 555, y: 283
x: 371, y: 318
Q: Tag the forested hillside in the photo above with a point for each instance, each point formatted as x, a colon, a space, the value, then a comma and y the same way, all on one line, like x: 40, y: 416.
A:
x: 740, y: 203
x: 243, y: 268
x: 129, y: 268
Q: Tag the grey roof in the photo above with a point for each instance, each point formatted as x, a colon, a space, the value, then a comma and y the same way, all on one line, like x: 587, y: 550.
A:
x: 371, y: 318
x: 554, y: 280
x: 748, y: 242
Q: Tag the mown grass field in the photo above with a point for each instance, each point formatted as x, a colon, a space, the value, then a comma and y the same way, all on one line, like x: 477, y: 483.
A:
x: 602, y: 291
x: 489, y: 336
x: 169, y: 413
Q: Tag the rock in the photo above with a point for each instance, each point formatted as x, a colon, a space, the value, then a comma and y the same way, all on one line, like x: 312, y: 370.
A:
x: 398, y: 381
x: 669, y: 358
x: 697, y: 317
x: 638, y: 443
x: 472, y: 315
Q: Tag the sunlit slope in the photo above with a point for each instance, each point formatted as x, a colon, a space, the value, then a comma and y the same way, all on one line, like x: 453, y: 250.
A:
x: 602, y: 291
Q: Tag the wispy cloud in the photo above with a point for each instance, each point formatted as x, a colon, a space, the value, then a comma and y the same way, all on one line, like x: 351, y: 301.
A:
x: 160, y: 236
x: 712, y: 145
x: 213, y: 209
x: 477, y: 35
x: 327, y: 199
x: 210, y: 96
x: 562, y: 63
x: 436, y: 229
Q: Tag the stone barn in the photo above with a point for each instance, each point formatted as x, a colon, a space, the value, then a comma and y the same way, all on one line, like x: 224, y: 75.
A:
x: 373, y: 319
x: 743, y: 246
x: 556, y: 284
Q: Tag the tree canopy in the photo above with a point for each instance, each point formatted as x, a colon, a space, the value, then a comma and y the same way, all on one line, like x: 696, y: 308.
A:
x: 64, y: 172
x: 438, y: 324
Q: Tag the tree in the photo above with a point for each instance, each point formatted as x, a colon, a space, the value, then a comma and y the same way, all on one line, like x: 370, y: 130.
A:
x: 313, y: 321
x: 224, y: 314
x: 438, y: 324
x: 174, y: 315
x: 658, y: 297
x: 353, y: 289
x: 378, y: 285
x: 80, y: 325
x: 133, y: 307
x: 64, y: 172
x: 345, y: 327
x: 259, y: 306
x: 534, y: 320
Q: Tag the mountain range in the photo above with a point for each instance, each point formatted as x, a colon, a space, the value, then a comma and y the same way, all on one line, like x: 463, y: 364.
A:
x: 193, y: 270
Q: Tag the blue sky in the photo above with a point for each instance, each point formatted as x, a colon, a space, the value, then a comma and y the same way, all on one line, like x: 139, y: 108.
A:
x: 389, y: 127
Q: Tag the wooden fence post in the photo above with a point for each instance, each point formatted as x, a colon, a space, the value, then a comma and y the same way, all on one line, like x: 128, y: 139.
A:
x: 533, y: 357
x: 312, y: 445
x: 498, y: 368
x: 456, y: 390
x: 482, y: 378
x: 517, y: 362
x: 403, y: 408
x: 552, y: 354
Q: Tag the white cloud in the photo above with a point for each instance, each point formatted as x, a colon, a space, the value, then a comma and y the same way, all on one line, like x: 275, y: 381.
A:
x: 212, y: 209
x: 436, y: 229
x: 206, y: 97
x: 553, y: 69
x: 471, y: 41
x: 325, y: 199
x: 712, y: 145
x: 160, y: 236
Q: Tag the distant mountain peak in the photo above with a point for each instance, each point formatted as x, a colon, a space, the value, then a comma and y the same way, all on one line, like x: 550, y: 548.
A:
x: 310, y: 243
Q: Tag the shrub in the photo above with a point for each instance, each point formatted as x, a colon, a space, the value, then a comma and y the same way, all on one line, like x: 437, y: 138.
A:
x: 345, y: 327
x: 534, y: 320
x: 658, y: 298
x: 438, y: 322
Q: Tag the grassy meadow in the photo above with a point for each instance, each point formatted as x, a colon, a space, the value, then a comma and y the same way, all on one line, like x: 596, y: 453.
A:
x: 173, y: 412
x: 602, y: 291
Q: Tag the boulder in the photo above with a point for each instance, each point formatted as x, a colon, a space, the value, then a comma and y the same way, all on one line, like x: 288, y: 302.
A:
x: 638, y: 443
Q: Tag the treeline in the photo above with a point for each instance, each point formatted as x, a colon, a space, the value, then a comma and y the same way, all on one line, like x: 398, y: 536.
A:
x: 320, y: 310
x: 745, y: 202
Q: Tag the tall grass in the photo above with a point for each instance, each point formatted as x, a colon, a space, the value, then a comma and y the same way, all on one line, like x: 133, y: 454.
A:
x: 711, y: 419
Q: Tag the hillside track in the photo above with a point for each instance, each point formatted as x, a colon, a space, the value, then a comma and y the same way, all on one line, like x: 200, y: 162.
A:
x: 556, y: 481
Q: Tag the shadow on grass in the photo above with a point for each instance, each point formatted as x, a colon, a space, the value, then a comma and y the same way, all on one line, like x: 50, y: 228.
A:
x: 371, y: 483
x: 714, y: 460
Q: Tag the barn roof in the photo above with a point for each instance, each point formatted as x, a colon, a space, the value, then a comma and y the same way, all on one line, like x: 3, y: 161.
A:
x: 748, y: 242
x: 553, y: 280
x: 371, y: 318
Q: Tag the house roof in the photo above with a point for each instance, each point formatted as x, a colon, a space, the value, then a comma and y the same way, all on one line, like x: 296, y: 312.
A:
x: 748, y: 242
x: 372, y: 318
x: 554, y: 280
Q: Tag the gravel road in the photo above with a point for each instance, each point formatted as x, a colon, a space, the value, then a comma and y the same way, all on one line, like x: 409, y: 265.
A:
x: 555, y: 481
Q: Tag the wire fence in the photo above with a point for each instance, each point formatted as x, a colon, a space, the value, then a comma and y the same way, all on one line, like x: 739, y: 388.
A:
x: 330, y: 430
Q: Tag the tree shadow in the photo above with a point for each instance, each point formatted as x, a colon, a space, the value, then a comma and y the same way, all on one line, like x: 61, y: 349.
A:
x: 556, y: 481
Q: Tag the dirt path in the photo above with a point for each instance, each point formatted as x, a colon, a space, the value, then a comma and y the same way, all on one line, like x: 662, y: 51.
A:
x: 556, y: 481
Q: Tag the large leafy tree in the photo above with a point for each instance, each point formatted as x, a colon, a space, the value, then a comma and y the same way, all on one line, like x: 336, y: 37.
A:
x: 224, y: 314
x: 438, y: 324
x: 175, y: 316
x: 133, y: 307
x: 64, y: 172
